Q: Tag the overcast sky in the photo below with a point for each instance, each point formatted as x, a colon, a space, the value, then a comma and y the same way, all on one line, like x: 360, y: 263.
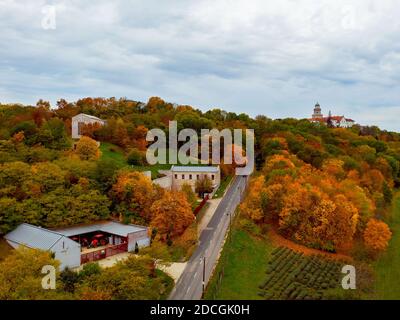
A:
x: 276, y: 58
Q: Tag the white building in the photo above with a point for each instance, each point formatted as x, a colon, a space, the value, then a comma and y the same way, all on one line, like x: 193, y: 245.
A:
x: 190, y: 174
x: 73, y: 246
x: 82, y: 119
x: 334, y: 121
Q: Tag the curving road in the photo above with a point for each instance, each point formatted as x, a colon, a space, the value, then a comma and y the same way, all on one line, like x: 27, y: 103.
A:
x: 201, y: 264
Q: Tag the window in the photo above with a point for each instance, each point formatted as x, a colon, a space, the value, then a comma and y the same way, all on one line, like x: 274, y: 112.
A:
x: 176, y: 176
x: 190, y: 177
x: 197, y: 176
x: 183, y: 176
x: 212, y: 177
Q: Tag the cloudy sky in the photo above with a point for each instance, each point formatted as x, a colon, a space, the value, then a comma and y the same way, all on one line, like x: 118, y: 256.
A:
x: 275, y: 58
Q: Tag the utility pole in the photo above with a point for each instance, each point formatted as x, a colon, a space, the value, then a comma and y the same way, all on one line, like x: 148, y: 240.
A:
x: 204, y: 276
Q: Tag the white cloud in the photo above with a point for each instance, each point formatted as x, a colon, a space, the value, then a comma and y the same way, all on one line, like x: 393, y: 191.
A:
x: 271, y: 57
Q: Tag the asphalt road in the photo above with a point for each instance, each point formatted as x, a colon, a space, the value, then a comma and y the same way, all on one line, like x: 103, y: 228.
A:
x: 201, y: 264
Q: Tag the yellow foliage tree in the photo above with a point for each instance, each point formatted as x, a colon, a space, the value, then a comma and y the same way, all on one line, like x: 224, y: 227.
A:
x: 252, y: 206
x: 87, y: 149
x: 21, y: 277
x: 134, y: 191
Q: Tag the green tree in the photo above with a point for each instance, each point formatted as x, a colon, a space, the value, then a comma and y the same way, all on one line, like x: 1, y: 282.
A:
x: 203, y: 186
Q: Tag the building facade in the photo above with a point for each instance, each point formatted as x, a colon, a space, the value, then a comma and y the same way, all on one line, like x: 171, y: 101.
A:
x: 81, y: 120
x: 181, y: 175
x: 77, y: 245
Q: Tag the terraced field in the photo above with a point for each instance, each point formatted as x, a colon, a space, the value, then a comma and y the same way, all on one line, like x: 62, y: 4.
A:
x: 294, y: 276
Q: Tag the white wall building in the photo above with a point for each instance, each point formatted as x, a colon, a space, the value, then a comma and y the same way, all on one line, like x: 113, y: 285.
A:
x: 82, y: 119
x: 190, y: 174
x: 66, y: 243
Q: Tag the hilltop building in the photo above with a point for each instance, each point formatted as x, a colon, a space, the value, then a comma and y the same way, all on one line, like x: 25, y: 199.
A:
x: 82, y: 119
x: 332, y: 121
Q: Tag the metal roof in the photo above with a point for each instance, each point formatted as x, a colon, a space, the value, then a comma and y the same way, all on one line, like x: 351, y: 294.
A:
x: 194, y: 169
x: 110, y: 227
x: 89, y: 116
x: 33, y: 237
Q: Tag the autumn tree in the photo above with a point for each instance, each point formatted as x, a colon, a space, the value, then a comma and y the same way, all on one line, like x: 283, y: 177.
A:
x: 133, y: 195
x: 87, y: 149
x: 21, y: 276
x: 376, y: 236
x: 255, y: 203
x: 171, y: 214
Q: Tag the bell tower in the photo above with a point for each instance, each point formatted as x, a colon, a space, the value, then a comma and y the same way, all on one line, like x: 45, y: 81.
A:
x: 317, y: 111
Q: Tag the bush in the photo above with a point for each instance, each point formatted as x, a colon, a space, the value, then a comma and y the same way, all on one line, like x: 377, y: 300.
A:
x: 135, y: 157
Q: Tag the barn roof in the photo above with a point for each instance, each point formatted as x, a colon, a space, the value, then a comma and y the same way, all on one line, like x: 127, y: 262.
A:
x: 88, y: 116
x: 195, y: 169
x: 33, y: 237
x: 112, y: 227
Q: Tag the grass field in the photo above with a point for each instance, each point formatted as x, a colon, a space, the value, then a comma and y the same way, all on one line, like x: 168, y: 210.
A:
x: 243, y: 262
x: 387, y: 268
x: 114, y: 153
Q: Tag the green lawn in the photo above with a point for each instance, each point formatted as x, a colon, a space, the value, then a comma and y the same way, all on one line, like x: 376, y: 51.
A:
x: 244, y: 261
x: 113, y: 153
x: 116, y: 154
x: 222, y: 187
x: 388, y: 266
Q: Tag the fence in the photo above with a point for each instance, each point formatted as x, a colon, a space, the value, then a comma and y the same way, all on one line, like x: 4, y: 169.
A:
x: 200, y: 206
x: 103, y: 253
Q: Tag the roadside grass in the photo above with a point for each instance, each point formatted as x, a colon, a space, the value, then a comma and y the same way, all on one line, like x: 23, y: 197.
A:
x: 167, y: 281
x: 222, y: 187
x: 243, y: 262
x: 5, y: 249
x: 387, y: 268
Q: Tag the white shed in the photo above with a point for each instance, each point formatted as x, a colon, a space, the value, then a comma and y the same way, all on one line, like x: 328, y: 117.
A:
x: 67, y: 251
x: 82, y: 119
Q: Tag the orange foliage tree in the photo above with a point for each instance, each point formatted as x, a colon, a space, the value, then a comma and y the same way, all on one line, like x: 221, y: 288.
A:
x: 172, y: 214
x: 376, y: 236
x: 133, y: 193
x: 253, y: 204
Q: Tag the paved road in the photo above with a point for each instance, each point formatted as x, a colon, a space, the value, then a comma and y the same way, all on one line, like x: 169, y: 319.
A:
x: 201, y: 264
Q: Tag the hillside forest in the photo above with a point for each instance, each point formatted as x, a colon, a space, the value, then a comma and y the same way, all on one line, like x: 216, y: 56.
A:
x: 322, y: 187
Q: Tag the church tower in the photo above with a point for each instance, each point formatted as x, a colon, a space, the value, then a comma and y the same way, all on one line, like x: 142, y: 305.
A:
x: 317, y: 112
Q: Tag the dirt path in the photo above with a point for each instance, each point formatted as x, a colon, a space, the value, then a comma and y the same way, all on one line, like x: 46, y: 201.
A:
x: 278, y: 240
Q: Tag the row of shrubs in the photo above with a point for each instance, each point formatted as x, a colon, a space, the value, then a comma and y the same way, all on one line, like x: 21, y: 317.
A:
x: 291, y: 275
